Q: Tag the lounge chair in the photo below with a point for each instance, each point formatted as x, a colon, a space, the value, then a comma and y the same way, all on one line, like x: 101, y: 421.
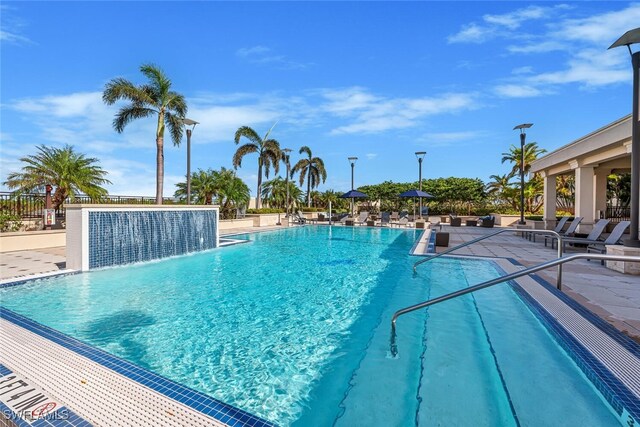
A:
x: 296, y: 218
x: 385, y: 219
x: 362, y: 218
x: 593, y: 236
x: 394, y: 216
x: 558, y: 229
x: 404, y: 221
x: 613, y: 239
x: 569, y: 233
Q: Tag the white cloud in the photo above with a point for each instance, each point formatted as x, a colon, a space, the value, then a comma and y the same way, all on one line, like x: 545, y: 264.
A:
x: 517, y: 91
x: 371, y: 156
x: 11, y: 27
x: 369, y: 113
x: 263, y: 55
x: 522, y: 70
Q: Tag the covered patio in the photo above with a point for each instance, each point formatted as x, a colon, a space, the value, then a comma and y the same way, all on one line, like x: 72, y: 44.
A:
x: 591, y: 159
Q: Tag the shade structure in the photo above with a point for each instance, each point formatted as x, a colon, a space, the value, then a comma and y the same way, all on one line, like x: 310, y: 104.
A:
x: 415, y: 193
x: 353, y: 194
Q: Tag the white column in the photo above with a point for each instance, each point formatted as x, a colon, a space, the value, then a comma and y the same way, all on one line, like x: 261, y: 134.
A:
x: 600, y: 185
x: 585, y: 197
x: 549, y: 200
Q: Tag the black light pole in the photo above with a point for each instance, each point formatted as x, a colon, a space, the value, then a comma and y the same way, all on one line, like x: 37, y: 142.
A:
x: 523, y: 137
x: 420, y: 155
x: 352, y: 160
x: 192, y: 123
x: 627, y: 39
x: 286, y: 161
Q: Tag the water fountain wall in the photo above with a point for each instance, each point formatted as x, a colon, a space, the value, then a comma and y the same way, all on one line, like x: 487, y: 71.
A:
x: 109, y: 235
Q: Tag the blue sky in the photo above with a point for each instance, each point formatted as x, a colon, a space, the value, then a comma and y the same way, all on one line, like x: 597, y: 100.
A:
x: 376, y: 80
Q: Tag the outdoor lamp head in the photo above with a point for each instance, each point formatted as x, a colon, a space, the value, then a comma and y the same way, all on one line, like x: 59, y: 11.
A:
x: 523, y: 126
x: 627, y: 39
x: 420, y: 154
x: 352, y: 160
x: 189, y: 122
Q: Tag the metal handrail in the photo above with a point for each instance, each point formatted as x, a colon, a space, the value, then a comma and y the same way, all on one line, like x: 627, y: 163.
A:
x: 504, y: 230
x: 525, y: 272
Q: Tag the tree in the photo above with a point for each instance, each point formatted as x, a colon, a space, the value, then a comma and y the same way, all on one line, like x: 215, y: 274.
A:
x: 274, y: 192
x: 204, y: 186
x: 152, y: 99
x: 70, y: 172
x: 312, y: 169
x: 232, y: 193
x: 268, y: 150
x: 531, y: 153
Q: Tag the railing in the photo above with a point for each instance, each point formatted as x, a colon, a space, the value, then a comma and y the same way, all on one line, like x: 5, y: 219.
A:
x: 525, y: 272
x: 32, y: 205
x: 618, y: 213
x: 504, y: 230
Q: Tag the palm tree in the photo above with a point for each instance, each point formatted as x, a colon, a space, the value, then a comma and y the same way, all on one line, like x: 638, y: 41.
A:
x: 232, y: 193
x: 204, y: 185
x: 152, y: 99
x: 311, y: 168
x: 268, y: 150
x: 70, y: 172
x: 531, y: 153
x: 274, y: 192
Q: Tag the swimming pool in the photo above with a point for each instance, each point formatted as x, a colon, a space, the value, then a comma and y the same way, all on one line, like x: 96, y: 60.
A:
x: 293, y: 326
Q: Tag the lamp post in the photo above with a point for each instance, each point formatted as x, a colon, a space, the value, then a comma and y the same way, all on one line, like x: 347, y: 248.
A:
x: 188, y: 122
x: 352, y: 160
x: 627, y: 39
x: 286, y: 180
x: 523, y: 137
x: 47, y: 205
x: 420, y: 155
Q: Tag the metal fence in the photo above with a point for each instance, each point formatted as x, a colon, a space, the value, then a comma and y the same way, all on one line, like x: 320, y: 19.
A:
x: 618, y: 213
x: 32, y: 205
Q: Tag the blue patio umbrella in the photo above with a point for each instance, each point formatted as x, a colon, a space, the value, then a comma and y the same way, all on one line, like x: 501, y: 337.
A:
x: 353, y: 194
x: 416, y: 193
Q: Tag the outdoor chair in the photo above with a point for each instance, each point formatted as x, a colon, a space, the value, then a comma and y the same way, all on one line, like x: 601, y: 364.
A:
x: 394, y: 216
x: 594, y: 235
x: 569, y: 233
x: 362, y: 218
x: 487, y: 221
x: 385, y: 219
x: 613, y: 239
x: 298, y: 219
x: 455, y: 221
x: 321, y: 217
x: 558, y: 229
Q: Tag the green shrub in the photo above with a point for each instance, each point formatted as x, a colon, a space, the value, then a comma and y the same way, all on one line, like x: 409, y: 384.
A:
x: 306, y: 209
x: 9, y: 222
x: 265, y: 211
x: 534, y: 217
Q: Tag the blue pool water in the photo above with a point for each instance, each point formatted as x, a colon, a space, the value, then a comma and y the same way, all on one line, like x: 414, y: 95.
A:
x: 294, y: 327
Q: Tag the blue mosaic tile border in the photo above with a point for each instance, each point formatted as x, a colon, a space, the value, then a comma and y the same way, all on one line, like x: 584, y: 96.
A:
x: 63, y: 417
x: 431, y: 248
x: 623, y: 401
x: 24, y: 280
x: 194, y: 399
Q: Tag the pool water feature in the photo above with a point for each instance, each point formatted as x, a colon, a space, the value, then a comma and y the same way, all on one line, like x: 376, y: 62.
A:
x: 294, y: 327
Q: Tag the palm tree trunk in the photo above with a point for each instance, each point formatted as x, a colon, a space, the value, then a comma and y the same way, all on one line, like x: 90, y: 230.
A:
x: 258, y: 196
x: 309, y: 188
x: 159, y: 169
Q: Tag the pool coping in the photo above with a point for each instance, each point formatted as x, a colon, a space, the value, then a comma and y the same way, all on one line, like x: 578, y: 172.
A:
x: 198, y: 401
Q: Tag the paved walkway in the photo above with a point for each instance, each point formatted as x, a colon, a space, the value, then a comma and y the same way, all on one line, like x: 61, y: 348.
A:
x: 611, y: 295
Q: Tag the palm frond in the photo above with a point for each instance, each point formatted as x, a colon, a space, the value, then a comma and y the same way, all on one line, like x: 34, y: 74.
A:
x: 248, y: 133
x: 129, y: 113
x: 242, y: 151
x: 120, y: 88
x: 175, y: 127
x: 157, y: 77
x: 306, y: 150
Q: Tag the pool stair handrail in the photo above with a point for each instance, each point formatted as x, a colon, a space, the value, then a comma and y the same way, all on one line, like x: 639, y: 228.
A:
x: 496, y: 281
x: 504, y: 230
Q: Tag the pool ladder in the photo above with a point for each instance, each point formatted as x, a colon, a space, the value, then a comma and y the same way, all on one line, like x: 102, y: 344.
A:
x: 527, y: 271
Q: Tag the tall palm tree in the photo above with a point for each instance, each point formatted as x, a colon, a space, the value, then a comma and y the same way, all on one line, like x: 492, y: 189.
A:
x: 531, y: 153
x: 204, y: 185
x: 268, y: 150
x: 312, y: 169
x: 152, y: 99
x: 70, y: 172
